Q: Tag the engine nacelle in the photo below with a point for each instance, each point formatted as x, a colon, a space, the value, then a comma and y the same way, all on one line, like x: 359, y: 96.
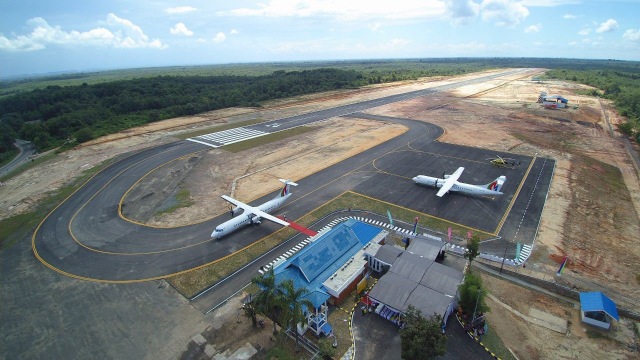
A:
x: 235, y: 210
x: 426, y: 180
x: 255, y: 219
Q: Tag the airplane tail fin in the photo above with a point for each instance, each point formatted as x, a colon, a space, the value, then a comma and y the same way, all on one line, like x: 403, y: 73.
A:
x: 285, y: 190
x: 496, y: 185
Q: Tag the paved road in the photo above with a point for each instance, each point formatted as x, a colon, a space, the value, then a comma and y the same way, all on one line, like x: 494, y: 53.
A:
x: 86, y: 237
x: 26, y: 149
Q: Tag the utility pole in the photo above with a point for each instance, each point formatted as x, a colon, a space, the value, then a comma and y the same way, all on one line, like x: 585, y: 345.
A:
x: 473, y: 318
x: 504, y: 255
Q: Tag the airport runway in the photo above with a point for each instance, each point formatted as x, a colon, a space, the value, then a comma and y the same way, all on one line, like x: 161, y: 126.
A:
x: 85, y: 237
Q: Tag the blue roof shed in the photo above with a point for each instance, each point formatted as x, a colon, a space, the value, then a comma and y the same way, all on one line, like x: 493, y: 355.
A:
x: 594, y: 306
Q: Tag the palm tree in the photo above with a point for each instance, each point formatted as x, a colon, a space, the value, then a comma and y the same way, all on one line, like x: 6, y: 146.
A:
x: 294, y: 302
x: 268, y: 299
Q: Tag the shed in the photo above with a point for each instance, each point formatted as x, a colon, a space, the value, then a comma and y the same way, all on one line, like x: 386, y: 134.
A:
x: 597, y: 309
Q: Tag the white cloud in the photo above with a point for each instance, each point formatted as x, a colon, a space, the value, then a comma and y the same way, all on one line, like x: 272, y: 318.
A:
x: 549, y: 3
x: 584, y: 32
x: 179, y: 10
x: 569, y: 16
x: 462, y: 11
x: 118, y: 32
x: 181, y: 29
x: 327, y: 46
x: 344, y: 10
x: 533, y: 28
x: 233, y: 32
x: 220, y: 37
x: 471, y: 47
x: 586, y: 42
x: 503, y: 12
x: 324, y: 46
x: 632, y: 35
x: 607, y: 26
x: 374, y: 26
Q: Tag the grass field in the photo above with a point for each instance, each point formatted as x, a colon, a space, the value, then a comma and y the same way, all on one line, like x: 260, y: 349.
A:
x: 17, y: 227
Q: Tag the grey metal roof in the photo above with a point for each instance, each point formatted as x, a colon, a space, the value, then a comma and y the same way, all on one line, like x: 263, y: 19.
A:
x: 421, y: 282
x: 442, y: 279
x: 428, y: 301
x: 427, y: 248
x: 393, y: 290
x: 388, y: 253
x: 411, y: 266
x: 398, y: 292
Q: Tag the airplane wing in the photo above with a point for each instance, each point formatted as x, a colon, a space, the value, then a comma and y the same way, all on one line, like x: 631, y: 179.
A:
x: 449, y: 182
x: 255, y: 211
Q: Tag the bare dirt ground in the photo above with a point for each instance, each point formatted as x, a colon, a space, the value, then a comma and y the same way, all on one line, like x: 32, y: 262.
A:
x: 589, y: 216
x: 256, y: 172
x: 531, y: 341
x: 591, y: 213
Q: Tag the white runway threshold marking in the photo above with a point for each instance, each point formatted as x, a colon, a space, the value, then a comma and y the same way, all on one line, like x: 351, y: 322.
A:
x: 226, y: 137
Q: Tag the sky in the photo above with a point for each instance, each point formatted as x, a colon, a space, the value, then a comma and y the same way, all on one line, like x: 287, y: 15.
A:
x: 38, y: 36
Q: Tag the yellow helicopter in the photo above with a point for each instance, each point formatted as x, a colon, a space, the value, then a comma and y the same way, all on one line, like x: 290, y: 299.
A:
x: 499, y: 161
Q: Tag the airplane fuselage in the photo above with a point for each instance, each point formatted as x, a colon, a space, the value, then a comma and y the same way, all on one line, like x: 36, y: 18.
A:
x: 242, y: 220
x: 458, y: 186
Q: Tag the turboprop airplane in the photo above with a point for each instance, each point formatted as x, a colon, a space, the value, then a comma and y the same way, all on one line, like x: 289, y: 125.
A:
x: 252, y: 215
x: 450, y: 183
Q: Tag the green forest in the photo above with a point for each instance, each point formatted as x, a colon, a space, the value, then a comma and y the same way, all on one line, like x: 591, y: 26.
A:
x: 64, y: 110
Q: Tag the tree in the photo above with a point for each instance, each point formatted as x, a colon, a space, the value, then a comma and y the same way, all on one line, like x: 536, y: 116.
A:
x: 473, y: 248
x: 250, y: 312
x: 294, y: 302
x: 269, y: 299
x: 472, y: 294
x: 83, y: 135
x: 422, y: 338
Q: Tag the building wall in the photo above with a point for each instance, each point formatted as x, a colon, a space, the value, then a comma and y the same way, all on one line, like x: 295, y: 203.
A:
x: 348, y: 290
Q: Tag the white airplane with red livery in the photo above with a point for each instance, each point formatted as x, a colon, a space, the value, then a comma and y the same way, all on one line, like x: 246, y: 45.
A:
x: 253, y: 215
x: 450, y: 183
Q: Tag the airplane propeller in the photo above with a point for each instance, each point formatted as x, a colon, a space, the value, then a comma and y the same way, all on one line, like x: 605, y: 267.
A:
x: 250, y: 217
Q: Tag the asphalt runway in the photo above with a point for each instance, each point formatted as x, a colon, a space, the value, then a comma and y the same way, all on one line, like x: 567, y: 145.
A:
x: 86, y: 237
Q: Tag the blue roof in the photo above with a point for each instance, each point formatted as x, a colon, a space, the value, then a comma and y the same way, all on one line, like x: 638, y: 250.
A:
x: 326, y: 329
x: 597, y: 301
x: 312, y: 265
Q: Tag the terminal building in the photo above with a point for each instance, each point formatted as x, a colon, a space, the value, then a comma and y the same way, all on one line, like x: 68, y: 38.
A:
x: 331, y: 266
x: 336, y: 260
